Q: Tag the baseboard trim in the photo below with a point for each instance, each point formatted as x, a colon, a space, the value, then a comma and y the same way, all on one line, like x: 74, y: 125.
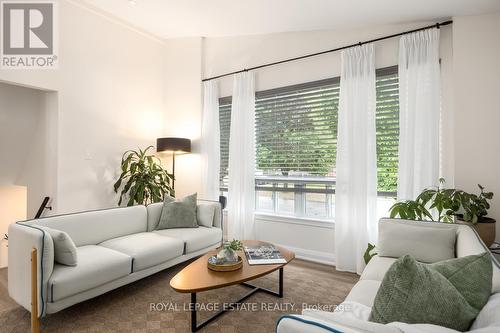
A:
x: 311, y: 255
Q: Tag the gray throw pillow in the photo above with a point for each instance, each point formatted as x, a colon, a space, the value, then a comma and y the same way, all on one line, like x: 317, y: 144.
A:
x: 449, y: 293
x: 64, y: 248
x: 205, y: 215
x: 178, y: 213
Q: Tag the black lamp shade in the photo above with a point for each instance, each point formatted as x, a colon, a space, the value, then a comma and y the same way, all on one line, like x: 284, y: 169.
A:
x: 177, y: 145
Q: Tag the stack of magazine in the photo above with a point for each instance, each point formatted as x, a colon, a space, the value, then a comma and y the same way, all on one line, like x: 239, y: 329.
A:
x: 264, y: 255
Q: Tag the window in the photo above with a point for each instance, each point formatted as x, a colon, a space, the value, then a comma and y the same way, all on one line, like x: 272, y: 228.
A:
x: 296, y: 142
x: 224, y: 125
x: 387, y: 122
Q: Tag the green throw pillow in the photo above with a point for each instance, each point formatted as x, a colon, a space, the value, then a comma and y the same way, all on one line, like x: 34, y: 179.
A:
x: 448, y: 293
x: 178, y: 214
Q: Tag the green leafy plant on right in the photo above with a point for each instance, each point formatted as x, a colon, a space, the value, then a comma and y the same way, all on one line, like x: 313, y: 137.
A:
x: 443, y: 205
x: 475, y: 207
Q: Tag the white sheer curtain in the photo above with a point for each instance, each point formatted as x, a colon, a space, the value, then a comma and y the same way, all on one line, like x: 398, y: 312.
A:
x: 210, y: 141
x: 356, y: 190
x: 241, y: 192
x: 419, y: 112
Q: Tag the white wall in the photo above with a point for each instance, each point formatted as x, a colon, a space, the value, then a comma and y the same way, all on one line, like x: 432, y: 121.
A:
x: 20, y: 113
x: 476, y: 49
x: 183, y: 100
x: 110, y: 86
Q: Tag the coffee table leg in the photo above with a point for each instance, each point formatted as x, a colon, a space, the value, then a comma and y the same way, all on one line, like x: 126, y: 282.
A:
x: 194, y: 327
x: 194, y: 324
x: 280, y: 290
x: 279, y: 293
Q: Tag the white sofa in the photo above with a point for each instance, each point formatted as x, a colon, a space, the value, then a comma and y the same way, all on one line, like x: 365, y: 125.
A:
x: 352, y: 315
x: 114, y: 247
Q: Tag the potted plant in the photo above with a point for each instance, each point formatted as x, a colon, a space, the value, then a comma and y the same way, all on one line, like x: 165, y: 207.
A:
x: 474, y: 209
x: 433, y: 204
x: 228, y: 253
x: 143, y: 178
x: 447, y: 205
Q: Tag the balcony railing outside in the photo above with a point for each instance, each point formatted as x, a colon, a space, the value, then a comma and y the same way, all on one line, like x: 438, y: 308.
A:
x: 303, y: 196
x: 300, y: 196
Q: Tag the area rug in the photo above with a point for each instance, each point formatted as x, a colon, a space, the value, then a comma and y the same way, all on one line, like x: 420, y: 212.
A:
x: 150, y: 305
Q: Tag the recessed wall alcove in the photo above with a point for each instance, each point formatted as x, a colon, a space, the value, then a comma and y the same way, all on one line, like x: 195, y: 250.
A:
x: 28, y: 151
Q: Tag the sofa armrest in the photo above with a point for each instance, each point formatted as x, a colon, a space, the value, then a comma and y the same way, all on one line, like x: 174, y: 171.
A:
x: 23, y: 237
x: 304, y: 324
x: 469, y: 243
x: 218, y: 211
x: 309, y: 324
x: 218, y: 215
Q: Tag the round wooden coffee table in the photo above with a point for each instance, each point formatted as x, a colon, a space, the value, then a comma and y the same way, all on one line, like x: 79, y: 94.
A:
x: 196, y: 277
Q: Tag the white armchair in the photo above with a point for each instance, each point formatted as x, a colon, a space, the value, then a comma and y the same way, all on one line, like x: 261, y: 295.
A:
x: 357, y: 305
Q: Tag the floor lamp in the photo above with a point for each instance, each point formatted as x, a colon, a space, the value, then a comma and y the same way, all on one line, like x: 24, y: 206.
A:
x: 176, y: 146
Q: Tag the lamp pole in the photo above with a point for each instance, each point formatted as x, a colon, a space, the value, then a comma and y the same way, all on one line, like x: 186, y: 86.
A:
x: 173, y: 170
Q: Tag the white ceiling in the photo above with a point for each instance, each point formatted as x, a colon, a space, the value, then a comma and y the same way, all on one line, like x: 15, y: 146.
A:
x: 214, y: 18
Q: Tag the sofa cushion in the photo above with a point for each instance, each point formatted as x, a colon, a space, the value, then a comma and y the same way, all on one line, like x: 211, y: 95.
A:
x: 64, y: 248
x: 400, y: 237
x: 376, y: 268
x: 154, y: 213
x: 449, y: 293
x: 97, y: 265
x: 194, y: 238
x: 364, y: 292
x: 147, y: 249
x: 205, y: 215
x: 94, y: 227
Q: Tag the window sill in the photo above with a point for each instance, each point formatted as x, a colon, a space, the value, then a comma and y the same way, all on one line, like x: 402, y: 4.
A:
x: 307, y: 221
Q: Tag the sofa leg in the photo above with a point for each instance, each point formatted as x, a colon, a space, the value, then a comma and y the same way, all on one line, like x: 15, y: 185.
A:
x: 35, y: 320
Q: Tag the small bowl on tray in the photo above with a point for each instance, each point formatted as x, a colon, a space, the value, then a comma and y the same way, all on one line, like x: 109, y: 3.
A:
x: 219, y: 266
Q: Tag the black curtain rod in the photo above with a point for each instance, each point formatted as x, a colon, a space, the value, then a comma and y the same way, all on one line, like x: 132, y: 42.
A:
x: 437, y: 25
